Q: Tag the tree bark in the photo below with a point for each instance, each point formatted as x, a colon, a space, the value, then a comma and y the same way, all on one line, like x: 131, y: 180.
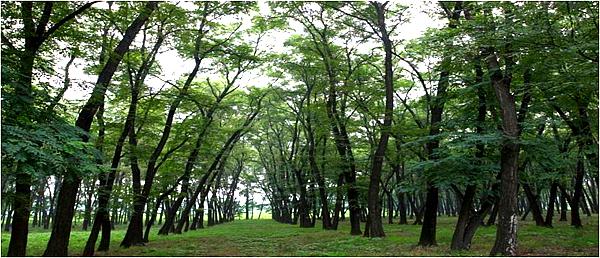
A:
x: 339, y: 202
x: 465, y: 214
x: 302, y: 203
x: 428, y: 230
x: 506, y: 233
x: 20, y: 220
x: 532, y: 201
x: 551, y: 201
x: 374, y: 227
x: 563, y: 207
x: 398, y: 170
x: 578, y: 192
x: 87, y: 216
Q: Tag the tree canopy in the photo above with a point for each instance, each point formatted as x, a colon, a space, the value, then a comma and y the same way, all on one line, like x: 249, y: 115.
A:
x: 161, y: 113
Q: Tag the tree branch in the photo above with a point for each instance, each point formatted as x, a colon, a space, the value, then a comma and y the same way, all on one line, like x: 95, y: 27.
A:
x: 67, y: 19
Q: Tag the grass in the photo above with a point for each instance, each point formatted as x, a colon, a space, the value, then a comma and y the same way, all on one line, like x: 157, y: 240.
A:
x: 269, y: 238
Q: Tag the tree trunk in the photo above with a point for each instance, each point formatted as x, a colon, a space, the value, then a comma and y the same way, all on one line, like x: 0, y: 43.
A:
x: 342, y: 143
x: 428, y: 229
x: 577, y: 195
x: 20, y: 220
x: 398, y: 170
x: 302, y: 203
x: 428, y: 234
x: 325, y: 218
x: 390, y: 205
x: 7, y: 225
x: 402, y: 208
x: 87, y: 217
x: 57, y: 182
x: 593, y: 193
x: 551, y: 200
x: 248, y: 204
x: 61, y: 228
x: 468, y: 221
x: 506, y: 233
x: 339, y: 201
x: 374, y: 223
x: 464, y: 215
x: 532, y: 201
x: 219, y: 160
x: 584, y: 204
x: 35, y: 208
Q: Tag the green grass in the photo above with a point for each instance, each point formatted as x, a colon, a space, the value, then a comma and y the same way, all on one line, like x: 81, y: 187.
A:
x: 269, y: 238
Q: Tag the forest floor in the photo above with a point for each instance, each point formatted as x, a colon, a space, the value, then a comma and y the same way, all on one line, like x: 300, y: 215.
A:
x: 269, y: 238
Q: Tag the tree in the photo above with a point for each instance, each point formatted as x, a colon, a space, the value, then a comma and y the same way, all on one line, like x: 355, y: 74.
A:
x: 59, y: 239
x: 21, y: 104
x: 374, y: 227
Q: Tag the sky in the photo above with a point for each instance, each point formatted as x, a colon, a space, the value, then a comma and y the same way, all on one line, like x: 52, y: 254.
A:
x: 173, y: 66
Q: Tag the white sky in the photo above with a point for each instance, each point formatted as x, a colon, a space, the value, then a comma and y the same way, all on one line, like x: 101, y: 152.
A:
x: 174, y: 66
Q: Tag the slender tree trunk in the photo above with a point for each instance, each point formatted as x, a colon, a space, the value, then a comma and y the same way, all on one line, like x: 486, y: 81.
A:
x: 133, y: 235
x: 5, y: 210
x: 589, y: 193
x: 342, y: 143
x: 584, y: 204
x: 577, y: 195
x: 35, y: 207
x: 402, y: 208
x: 399, y: 173
x: 219, y: 160
x: 506, y: 233
x: 170, y: 217
x: 7, y: 225
x: 374, y: 227
x: 532, y: 201
x: 593, y: 192
x: 468, y: 221
x: 551, y: 200
x: 302, y: 203
x: 390, y: 205
x: 428, y: 230
x: 339, y: 201
x: 87, y: 217
x: 20, y: 220
x: 59, y: 239
x: 465, y: 214
x: 320, y: 179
